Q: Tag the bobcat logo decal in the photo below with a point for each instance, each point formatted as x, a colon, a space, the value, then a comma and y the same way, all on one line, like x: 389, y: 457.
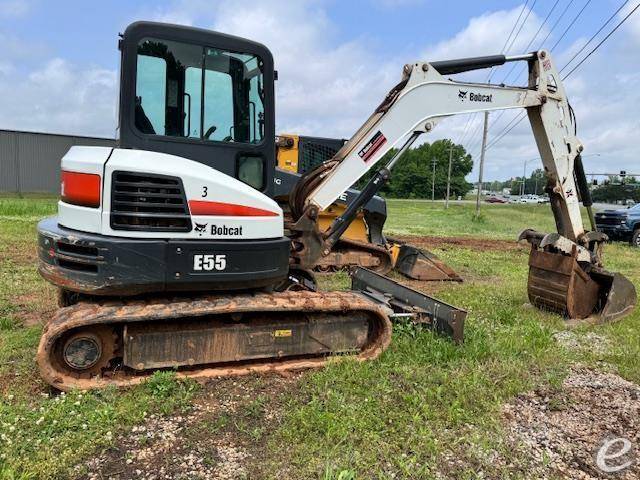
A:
x: 462, y: 95
x: 200, y: 228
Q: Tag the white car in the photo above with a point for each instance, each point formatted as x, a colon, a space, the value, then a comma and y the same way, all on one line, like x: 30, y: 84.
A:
x: 530, y: 199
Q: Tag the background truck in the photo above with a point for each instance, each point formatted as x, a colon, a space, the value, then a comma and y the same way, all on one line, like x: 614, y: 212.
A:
x: 621, y: 224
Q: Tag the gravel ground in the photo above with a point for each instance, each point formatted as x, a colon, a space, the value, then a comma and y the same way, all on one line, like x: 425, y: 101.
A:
x: 561, y: 431
x: 557, y: 431
x: 219, y: 438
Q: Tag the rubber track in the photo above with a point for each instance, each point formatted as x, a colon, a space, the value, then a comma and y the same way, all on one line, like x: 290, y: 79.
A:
x: 346, y: 247
x: 130, y: 311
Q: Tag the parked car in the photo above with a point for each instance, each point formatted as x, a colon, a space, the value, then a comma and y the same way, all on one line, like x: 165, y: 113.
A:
x: 496, y: 199
x: 530, y: 199
x: 622, y: 224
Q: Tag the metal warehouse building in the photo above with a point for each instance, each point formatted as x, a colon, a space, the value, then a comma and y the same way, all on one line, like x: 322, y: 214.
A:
x: 30, y: 161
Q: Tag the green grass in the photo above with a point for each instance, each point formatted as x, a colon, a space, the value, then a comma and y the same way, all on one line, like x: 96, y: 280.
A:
x: 42, y: 434
x: 426, y: 398
x: 505, y: 221
x: 410, y: 414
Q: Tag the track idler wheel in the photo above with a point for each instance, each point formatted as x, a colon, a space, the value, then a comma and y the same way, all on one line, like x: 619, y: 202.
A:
x: 85, y: 352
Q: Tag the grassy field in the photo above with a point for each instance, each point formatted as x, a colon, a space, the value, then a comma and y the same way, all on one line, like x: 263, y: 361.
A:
x: 505, y: 221
x: 405, y: 415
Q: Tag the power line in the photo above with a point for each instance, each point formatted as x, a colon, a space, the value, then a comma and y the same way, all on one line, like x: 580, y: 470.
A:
x: 514, y: 26
x: 504, y: 47
x: 602, y: 41
x: 526, y: 49
x: 564, y: 34
x: 507, y: 130
x: 595, y: 34
x: 551, y: 30
x: 556, y: 23
x: 566, y: 30
x: 521, y: 25
x: 504, y: 132
x: 472, y: 116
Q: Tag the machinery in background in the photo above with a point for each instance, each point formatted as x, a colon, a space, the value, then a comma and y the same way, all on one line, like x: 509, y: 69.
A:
x: 363, y: 242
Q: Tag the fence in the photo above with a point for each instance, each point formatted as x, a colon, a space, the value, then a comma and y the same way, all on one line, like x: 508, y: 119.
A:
x: 30, y: 161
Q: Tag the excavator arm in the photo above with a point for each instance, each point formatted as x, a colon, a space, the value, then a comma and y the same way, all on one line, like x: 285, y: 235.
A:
x: 413, y: 107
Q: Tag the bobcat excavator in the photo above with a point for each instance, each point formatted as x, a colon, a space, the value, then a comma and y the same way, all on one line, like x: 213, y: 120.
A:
x: 363, y: 243
x: 169, y: 251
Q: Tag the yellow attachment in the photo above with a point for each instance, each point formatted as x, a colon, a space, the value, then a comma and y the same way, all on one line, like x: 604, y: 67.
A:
x: 287, y: 152
x: 394, y: 248
x: 357, y: 230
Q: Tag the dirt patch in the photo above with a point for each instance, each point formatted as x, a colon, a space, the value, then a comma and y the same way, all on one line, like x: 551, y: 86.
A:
x: 445, y: 243
x: 221, y: 436
x: 36, y: 308
x: 561, y: 431
x: 21, y: 253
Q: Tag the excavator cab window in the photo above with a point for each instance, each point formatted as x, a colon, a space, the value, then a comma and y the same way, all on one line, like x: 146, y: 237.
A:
x: 197, y: 92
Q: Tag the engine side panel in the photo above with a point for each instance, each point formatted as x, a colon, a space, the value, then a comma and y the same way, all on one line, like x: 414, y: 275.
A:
x: 220, y: 206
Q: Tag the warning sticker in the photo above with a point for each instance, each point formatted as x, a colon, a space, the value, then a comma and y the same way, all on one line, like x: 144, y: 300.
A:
x: 372, y: 146
x: 282, y: 333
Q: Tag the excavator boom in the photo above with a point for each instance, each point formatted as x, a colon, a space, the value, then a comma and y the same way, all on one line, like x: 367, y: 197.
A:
x: 413, y: 107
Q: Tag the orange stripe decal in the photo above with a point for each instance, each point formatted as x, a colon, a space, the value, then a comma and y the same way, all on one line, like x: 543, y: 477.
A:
x: 202, y: 207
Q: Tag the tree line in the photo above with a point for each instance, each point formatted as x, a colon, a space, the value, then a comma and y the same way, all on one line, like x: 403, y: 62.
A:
x: 412, y: 175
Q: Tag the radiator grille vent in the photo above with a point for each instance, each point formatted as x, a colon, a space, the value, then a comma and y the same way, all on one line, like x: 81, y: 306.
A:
x: 149, y: 203
x: 313, y: 154
x: 617, y: 220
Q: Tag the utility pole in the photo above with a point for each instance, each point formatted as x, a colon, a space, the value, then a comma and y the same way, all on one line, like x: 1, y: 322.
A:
x: 433, y: 181
x: 446, y: 202
x: 524, y: 178
x: 482, y: 152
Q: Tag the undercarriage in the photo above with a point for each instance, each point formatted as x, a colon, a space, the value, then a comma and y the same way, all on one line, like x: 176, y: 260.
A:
x: 91, y: 345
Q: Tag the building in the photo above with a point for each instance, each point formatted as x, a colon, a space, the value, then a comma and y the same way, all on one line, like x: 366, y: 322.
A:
x: 30, y: 161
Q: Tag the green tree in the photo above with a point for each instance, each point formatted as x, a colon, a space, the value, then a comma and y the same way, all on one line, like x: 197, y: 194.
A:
x: 412, y: 175
x: 613, y: 193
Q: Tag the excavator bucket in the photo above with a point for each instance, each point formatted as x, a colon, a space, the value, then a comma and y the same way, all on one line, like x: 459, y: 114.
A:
x: 557, y: 282
x: 420, y: 264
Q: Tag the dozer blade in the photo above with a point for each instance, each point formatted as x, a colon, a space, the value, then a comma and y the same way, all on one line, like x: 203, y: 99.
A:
x: 406, y: 302
x: 423, y: 265
x: 558, y: 283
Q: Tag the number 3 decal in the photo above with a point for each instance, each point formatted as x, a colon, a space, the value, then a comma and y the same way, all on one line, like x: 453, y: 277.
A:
x: 204, y: 192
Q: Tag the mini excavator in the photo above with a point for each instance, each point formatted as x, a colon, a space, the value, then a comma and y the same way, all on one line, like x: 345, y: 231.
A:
x: 170, y: 253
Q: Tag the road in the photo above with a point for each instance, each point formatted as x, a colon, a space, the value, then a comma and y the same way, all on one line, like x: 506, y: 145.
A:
x: 596, y: 206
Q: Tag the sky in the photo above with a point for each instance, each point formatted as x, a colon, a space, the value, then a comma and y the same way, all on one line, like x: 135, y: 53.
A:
x: 336, y: 60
